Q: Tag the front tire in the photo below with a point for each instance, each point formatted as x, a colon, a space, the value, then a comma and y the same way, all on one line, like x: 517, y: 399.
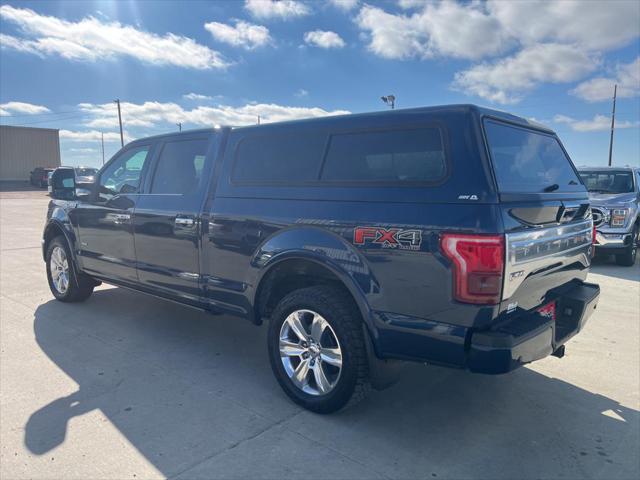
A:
x: 628, y: 258
x: 317, y: 350
x: 65, y: 283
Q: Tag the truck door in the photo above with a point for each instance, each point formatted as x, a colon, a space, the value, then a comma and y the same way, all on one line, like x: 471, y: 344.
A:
x: 104, y: 221
x: 167, y: 218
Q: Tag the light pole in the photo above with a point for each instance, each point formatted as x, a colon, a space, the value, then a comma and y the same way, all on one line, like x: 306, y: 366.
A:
x: 390, y: 100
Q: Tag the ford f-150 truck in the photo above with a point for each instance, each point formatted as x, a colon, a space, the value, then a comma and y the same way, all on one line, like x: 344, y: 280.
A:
x: 615, y: 206
x: 452, y: 235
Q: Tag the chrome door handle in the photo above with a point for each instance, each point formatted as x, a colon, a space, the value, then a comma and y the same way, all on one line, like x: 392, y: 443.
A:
x: 120, y: 218
x: 184, y: 222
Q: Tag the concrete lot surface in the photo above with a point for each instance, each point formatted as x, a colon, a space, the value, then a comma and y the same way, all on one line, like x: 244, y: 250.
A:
x: 128, y: 386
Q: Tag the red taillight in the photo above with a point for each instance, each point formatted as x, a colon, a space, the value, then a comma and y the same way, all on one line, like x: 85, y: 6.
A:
x: 478, y: 263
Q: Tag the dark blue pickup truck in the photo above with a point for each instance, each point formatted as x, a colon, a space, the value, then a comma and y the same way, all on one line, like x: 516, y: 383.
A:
x: 453, y: 235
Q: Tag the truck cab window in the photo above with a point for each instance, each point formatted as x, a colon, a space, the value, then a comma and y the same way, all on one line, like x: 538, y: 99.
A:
x: 122, y: 176
x: 180, y: 167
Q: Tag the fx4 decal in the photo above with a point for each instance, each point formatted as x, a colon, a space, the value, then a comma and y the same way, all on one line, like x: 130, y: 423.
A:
x: 388, y: 237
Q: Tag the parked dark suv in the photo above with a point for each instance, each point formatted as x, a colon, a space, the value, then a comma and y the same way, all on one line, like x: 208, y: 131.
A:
x: 39, y: 176
x: 451, y: 235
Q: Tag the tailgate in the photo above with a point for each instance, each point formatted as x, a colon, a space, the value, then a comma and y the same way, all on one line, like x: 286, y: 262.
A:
x: 545, y: 213
x: 539, y: 261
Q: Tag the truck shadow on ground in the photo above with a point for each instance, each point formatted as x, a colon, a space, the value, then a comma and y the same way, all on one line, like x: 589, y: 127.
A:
x: 183, y: 386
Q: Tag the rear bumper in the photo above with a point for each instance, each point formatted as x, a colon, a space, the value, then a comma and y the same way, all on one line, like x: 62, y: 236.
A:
x: 531, y: 336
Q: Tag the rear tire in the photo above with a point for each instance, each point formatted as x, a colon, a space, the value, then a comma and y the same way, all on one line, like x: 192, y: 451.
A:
x: 66, y: 284
x: 336, y: 374
x: 628, y: 258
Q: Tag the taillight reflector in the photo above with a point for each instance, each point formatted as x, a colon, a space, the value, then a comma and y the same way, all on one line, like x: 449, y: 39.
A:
x: 478, y: 265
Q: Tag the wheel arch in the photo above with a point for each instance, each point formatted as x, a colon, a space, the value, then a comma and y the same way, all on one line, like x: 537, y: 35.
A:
x: 309, y: 256
x: 53, y: 229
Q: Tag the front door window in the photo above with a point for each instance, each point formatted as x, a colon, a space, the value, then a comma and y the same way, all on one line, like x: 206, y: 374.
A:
x: 122, y: 176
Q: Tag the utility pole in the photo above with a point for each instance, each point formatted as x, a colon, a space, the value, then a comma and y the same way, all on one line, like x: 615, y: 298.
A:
x: 613, y: 121
x: 102, y: 138
x: 179, y: 124
x: 117, y: 100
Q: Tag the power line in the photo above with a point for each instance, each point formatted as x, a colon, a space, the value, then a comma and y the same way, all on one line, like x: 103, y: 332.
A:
x: 50, y: 114
x: 49, y: 120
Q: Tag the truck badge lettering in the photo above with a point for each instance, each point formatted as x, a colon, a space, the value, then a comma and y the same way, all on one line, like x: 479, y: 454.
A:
x: 388, y: 237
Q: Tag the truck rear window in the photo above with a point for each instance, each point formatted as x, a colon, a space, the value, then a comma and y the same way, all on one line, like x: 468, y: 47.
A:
x: 529, y: 161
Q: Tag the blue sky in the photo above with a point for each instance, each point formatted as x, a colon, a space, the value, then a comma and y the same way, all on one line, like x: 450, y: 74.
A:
x: 226, y: 62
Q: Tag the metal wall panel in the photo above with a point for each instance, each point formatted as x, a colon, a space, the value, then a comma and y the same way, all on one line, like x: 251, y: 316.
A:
x: 22, y: 149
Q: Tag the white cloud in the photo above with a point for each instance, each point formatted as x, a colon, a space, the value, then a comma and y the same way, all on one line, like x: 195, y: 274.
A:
x: 627, y: 77
x: 93, y: 136
x: 324, y: 39
x: 196, y: 96
x: 91, y: 39
x: 82, y: 150
x: 579, y: 31
x: 591, y: 25
x: 11, y: 108
x: 301, y: 93
x: 506, y: 80
x: 409, y: 4
x: 242, y: 34
x: 152, y: 114
x: 276, y: 9
x: 444, y: 29
x: 345, y: 5
x: 599, y: 123
x: 478, y: 29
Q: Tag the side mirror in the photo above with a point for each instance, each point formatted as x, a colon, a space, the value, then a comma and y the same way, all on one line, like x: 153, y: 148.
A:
x: 63, y: 184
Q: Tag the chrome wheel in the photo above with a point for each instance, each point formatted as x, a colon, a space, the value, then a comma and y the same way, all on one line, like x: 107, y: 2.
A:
x: 310, y: 352
x: 59, y: 266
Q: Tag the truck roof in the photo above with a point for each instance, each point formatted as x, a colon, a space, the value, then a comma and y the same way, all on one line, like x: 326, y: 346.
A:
x: 439, y: 109
x: 454, y: 108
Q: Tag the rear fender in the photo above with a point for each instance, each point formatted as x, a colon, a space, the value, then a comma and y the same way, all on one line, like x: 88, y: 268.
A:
x: 326, y: 249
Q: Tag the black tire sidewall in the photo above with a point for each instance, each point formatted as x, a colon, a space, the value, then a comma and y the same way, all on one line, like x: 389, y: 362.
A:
x: 628, y: 258
x: 310, y: 299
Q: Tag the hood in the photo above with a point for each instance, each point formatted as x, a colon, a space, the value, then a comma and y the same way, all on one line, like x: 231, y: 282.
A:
x: 611, y: 198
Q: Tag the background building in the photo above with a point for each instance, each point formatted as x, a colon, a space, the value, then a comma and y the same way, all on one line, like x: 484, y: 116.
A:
x: 22, y: 149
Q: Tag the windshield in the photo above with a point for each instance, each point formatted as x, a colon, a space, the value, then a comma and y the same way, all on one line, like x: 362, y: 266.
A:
x: 83, y: 172
x: 606, y: 181
x: 529, y: 161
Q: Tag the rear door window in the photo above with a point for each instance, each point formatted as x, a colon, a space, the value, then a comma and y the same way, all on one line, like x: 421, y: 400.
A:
x: 180, y: 167
x: 528, y: 161
x: 411, y: 155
